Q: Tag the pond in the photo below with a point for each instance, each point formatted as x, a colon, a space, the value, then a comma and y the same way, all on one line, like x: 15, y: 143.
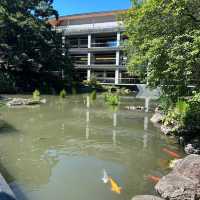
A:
x: 59, y: 150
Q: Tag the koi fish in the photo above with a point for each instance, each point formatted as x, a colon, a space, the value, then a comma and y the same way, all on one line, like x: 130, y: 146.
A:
x: 154, y: 179
x: 105, y: 178
x: 114, y: 186
x: 171, y: 153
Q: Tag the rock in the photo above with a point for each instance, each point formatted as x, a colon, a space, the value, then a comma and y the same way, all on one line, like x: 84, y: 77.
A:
x: 21, y: 102
x: 5, y: 192
x: 173, y: 163
x: 166, y: 130
x: 183, y: 183
x: 130, y: 108
x: 146, y: 197
x: 140, y: 108
x: 157, y: 118
x: 192, y: 149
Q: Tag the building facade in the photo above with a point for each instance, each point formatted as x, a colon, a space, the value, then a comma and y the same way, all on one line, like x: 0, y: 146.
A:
x: 95, y: 42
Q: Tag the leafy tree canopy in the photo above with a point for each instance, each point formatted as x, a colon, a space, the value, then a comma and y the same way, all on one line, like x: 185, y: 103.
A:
x: 164, y: 43
x: 27, y: 42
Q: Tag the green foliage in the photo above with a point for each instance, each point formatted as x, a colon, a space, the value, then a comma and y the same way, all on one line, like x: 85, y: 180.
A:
x: 93, y: 95
x: 164, y: 44
x: 176, y: 116
x: 28, y: 45
x: 63, y: 93
x: 7, y: 83
x: 36, y: 95
x: 111, y: 99
x: 185, y: 115
x: 192, y: 118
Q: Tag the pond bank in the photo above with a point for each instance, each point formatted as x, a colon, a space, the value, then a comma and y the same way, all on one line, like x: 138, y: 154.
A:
x: 191, y: 145
x: 182, y: 183
x: 5, y: 191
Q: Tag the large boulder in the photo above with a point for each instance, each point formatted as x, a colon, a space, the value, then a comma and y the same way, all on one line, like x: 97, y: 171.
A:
x: 183, y: 183
x: 146, y: 197
x: 157, y: 118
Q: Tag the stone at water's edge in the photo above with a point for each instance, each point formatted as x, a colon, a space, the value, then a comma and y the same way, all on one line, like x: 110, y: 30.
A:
x: 183, y: 183
x: 20, y: 102
x: 146, y: 197
x: 166, y: 130
x: 157, y: 118
x: 5, y: 191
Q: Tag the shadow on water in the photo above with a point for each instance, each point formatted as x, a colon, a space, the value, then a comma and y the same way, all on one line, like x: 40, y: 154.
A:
x: 14, y: 187
x: 6, y: 128
x: 4, y: 196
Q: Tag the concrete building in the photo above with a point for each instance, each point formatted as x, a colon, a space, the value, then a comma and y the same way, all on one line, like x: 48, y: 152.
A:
x: 95, y: 46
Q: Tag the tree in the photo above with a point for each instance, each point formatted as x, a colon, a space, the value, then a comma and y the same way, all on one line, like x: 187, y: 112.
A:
x: 164, y: 44
x: 27, y: 43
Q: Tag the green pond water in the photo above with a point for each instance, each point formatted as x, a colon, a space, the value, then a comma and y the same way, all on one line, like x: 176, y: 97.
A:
x: 59, y: 150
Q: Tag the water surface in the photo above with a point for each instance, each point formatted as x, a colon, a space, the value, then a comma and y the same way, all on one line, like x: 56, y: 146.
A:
x: 59, y: 150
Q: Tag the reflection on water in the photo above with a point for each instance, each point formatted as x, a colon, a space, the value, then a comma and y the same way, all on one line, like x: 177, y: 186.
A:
x: 60, y: 149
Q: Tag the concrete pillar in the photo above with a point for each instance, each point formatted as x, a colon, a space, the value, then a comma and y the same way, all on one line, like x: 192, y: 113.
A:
x: 89, y: 74
x: 89, y: 59
x: 89, y: 41
x: 117, y: 76
x: 117, y: 58
x: 118, y: 39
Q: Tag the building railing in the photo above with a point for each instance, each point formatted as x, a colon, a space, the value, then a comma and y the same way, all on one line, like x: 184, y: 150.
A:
x: 109, y: 44
x: 105, y: 80
x: 121, y: 80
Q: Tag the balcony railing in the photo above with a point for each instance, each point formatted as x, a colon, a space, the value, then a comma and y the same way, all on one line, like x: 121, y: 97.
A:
x: 121, y: 80
x: 105, y: 80
x: 108, y: 44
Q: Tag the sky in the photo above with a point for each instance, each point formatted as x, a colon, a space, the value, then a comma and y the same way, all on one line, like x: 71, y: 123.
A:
x: 68, y: 7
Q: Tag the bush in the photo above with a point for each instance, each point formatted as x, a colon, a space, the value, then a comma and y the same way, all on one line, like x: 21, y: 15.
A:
x: 63, y: 93
x: 192, y: 118
x: 93, y: 95
x: 36, y: 95
x: 176, y: 115
x: 112, y: 99
x: 185, y: 116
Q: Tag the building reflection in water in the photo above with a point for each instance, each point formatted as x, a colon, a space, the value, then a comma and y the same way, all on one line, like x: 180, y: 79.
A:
x: 146, y: 123
x: 87, y: 118
x: 114, y: 117
x: 114, y: 138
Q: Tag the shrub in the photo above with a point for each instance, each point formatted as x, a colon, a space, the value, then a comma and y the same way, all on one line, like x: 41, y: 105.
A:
x: 63, y: 93
x: 192, y: 118
x: 185, y: 116
x: 36, y: 95
x: 112, y: 99
x: 93, y: 95
x: 176, y: 115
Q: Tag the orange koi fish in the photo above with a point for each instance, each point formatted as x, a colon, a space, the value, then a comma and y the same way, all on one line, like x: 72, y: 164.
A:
x: 171, y: 153
x: 153, y: 179
x: 114, y: 186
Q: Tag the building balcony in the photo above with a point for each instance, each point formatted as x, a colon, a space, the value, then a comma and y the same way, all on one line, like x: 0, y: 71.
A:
x: 100, y: 67
x: 107, y: 27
